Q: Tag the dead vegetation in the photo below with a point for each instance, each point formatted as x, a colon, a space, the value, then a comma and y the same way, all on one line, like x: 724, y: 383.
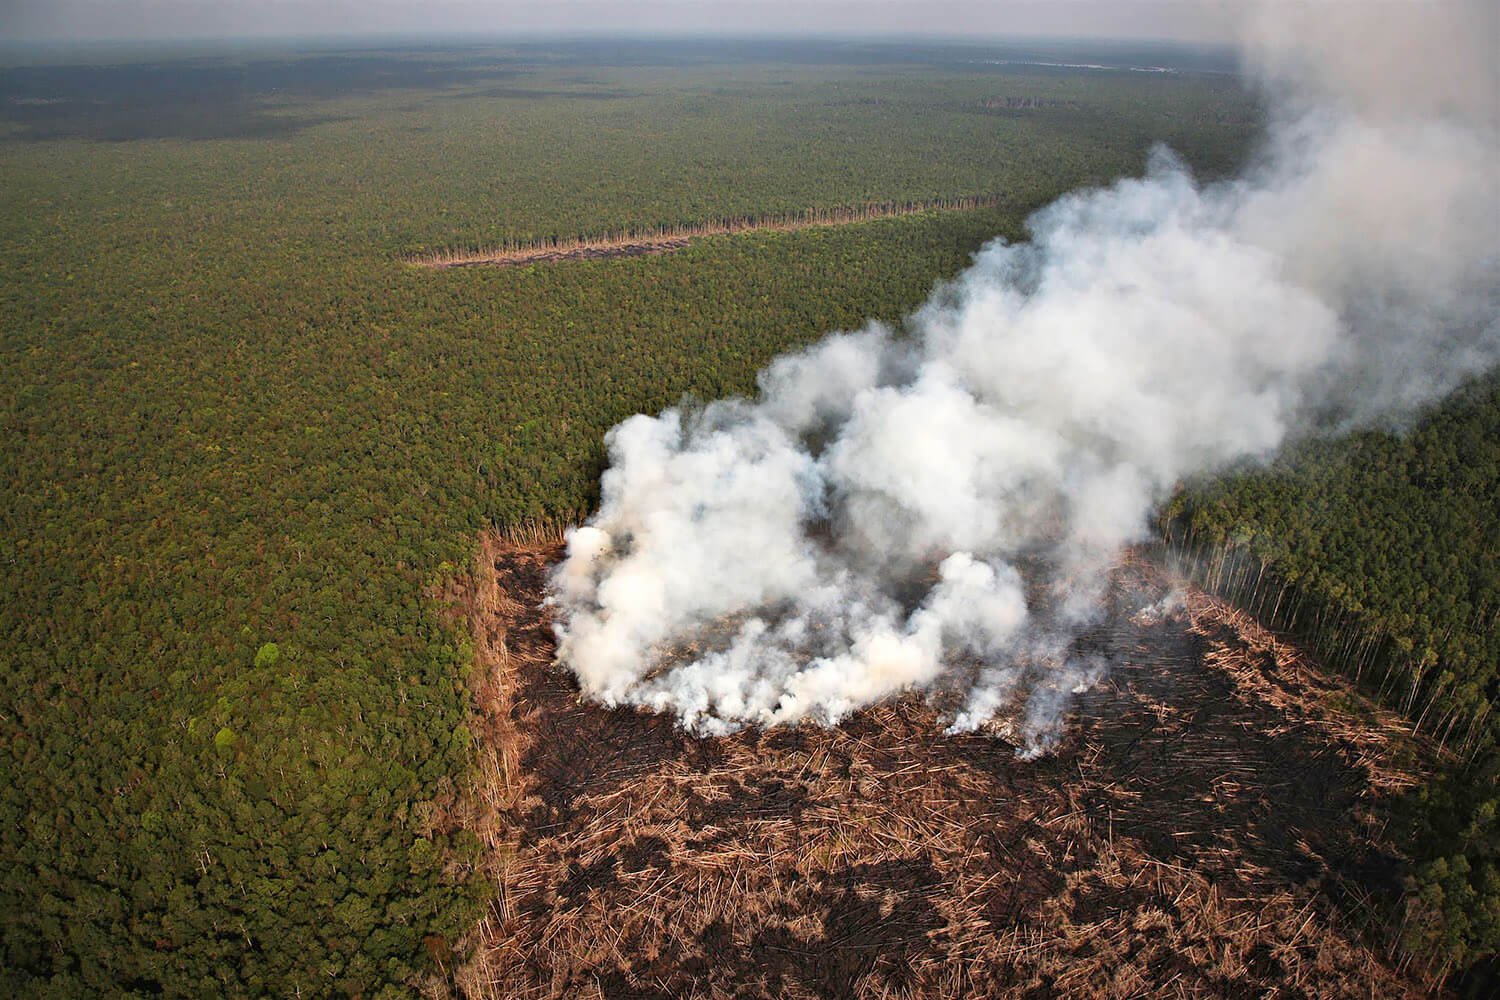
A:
x: 1204, y: 829
x: 638, y: 243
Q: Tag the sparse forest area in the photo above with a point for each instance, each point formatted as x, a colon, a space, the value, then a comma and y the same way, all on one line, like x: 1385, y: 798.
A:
x: 249, y: 446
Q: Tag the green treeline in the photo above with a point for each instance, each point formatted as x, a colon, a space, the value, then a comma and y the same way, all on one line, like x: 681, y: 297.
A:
x: 1381, y: 552
x: 244, y: 441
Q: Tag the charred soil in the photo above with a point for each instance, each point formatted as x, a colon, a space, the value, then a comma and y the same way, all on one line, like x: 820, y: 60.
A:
x: 1207, y: 827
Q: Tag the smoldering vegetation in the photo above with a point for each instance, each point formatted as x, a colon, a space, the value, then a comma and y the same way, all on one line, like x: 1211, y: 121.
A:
x: 883, y: 516
x: 1208, y: 825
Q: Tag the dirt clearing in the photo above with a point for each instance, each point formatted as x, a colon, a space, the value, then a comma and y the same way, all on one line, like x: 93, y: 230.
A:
x: 1205, y: 829
x: 636, y: 243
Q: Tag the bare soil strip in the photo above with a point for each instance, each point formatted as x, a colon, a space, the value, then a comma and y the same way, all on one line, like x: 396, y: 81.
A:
x: 641, y: 243
x: 1207, y: 828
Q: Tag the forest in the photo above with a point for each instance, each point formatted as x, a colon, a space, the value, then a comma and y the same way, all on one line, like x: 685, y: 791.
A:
x: 247, y: 442
x: 1380, y: 550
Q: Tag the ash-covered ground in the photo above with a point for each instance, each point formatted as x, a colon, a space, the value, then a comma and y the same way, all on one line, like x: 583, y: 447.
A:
x: 1206, y: 826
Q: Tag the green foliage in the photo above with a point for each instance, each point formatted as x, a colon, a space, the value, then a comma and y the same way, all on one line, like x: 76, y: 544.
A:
x: 1382, y: 551
x: 232, y: 413
x: 1453, y: 900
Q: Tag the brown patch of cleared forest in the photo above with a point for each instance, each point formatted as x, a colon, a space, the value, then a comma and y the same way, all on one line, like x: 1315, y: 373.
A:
x: 639, y: 243
x: 1207, y: 827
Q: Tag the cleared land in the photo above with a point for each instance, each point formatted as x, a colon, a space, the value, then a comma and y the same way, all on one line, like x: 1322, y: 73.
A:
x: 639, y: 244
x: 1207, y: 827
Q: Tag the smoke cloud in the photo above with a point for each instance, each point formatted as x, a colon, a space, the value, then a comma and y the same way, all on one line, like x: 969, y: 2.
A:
x: 933, y: 507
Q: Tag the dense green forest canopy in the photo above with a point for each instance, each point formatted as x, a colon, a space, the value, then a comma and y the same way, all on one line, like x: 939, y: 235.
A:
x: 244, y: 439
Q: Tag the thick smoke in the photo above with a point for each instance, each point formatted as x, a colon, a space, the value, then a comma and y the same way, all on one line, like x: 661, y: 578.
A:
x: 933, y: 507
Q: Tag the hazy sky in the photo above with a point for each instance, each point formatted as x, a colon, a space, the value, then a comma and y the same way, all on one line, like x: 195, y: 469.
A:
x: 83, y: 20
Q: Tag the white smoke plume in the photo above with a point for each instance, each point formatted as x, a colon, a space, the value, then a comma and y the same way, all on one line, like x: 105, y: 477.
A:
x: 932, y: 507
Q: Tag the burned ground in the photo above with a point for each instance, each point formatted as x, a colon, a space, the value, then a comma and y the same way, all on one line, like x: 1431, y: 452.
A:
x: 1205, y: 827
